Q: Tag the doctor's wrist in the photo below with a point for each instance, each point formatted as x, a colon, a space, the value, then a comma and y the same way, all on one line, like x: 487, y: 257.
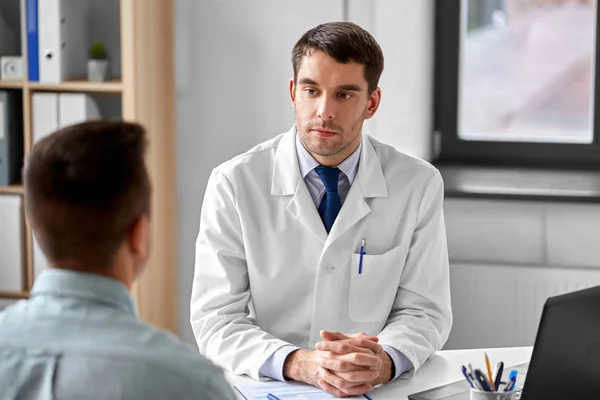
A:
x: 291, y: 368
x: 387, y: 369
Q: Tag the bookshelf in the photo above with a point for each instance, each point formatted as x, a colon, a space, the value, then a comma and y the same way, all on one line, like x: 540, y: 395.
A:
x: 109, y: 86
x: 144, y: 90
x: 12, y: 84
x: 12, y: 189
x: 14, y: 295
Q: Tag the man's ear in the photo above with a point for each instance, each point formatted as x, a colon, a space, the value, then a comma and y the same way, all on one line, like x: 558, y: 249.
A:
x: 373, y: 104
x: 292, y: 88
x: 138, y: 237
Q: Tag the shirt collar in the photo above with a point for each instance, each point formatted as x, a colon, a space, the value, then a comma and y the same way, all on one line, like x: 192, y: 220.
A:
x: 307, y: 163
x: 84, y: 285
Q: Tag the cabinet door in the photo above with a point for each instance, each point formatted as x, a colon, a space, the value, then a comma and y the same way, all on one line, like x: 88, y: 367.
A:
x: 11, y: 244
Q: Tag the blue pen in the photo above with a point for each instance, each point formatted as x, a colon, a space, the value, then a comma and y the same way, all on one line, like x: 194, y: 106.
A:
x: 362, y: 252
x: 272, y: 397
x: 367, y: 397
x: 512, y: 380
x: 466, y: 374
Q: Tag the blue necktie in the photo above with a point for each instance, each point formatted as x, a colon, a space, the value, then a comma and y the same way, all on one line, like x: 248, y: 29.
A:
x: 331, y: 203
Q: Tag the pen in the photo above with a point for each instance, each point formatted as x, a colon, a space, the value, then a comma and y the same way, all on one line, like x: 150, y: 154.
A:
x: 476, y: 384
x: 489, y: 371
x: 512, y: 380
x: 498, y: 374
x: 362, y: 252
x: 466, y: 374
x: 367, y: 397
x: 473, y: 379
x: 482, y: 380
x: 272, y: 397
x: 472, y: 376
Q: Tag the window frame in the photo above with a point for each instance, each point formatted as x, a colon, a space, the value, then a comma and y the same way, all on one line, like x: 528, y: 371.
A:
x: 449, y: 148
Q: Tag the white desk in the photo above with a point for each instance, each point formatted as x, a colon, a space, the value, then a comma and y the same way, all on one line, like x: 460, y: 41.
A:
x: 442, y: 368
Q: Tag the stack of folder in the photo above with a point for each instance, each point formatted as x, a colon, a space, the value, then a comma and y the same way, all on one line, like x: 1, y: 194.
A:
x: 11, y: 136
x: 56, y: 39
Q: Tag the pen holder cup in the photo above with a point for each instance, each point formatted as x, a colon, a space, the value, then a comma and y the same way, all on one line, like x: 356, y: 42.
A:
x: 477, y: 394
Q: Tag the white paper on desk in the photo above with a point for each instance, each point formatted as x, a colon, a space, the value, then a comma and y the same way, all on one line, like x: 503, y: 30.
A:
x: 284, y: 391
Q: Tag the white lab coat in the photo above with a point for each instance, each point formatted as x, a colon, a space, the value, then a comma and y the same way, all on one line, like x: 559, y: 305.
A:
x: 267, y: 273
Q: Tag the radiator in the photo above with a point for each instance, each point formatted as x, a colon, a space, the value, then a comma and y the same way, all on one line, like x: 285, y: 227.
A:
x: 501, y: 306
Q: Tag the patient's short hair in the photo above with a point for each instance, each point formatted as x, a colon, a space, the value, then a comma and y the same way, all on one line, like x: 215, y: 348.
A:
x: 85, y: 186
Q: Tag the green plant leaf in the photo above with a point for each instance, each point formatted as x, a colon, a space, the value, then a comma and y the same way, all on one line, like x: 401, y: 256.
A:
x: 97, y: 51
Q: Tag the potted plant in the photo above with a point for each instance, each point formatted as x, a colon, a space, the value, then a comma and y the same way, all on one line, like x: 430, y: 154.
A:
x: 98, y: 63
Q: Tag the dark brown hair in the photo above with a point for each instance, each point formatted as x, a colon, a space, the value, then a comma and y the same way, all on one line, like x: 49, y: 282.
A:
x: 344, y: 42
x: 85, y: 186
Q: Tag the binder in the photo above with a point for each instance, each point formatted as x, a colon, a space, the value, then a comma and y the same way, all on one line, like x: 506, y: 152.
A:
x: 11, y: 136
x: 63, y: 43
x: 33, y: 64
x: 76, y: 107
x: 8, y: 39
x: 44, y: 114
x: 11, y: 244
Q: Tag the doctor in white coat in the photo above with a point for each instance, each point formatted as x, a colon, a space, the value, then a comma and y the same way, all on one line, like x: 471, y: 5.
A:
x: 281, y: 289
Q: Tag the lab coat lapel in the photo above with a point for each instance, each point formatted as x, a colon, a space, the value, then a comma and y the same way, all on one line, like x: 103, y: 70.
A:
x: 369, y: 182
x: 287, y: 181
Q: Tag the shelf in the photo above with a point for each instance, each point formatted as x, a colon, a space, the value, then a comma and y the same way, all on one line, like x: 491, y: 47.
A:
x: 14, y: 189
x: 110, y: 86
x: 140, y: 36
x: 14, y: 295
x: 12, y: 84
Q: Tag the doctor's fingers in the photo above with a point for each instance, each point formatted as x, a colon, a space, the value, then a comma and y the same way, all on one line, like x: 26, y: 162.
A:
x: 327, y: 335
x: 350, y: 346
x: 362, y: 335
x: 340, y: 365
x: 354, y: 391
x: 348, y: 387
x: 358, y: 377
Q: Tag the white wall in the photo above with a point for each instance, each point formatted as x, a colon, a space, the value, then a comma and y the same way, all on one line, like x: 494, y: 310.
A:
x: 507, y: 257
x: 405, y: 31
x: 233, y: 65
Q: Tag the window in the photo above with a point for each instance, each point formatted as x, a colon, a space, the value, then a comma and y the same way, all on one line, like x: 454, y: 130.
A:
x: 515, y: 82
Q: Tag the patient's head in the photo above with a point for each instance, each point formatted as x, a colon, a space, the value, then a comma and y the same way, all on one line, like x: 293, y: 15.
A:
x: 87, y: 198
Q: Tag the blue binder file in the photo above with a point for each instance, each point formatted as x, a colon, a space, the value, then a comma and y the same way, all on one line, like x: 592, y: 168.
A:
x: 11, y: 137
x: 33, y: 62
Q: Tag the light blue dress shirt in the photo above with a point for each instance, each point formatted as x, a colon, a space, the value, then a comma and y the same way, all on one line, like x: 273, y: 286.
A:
x: 78, y: 337
x: 273, y: 367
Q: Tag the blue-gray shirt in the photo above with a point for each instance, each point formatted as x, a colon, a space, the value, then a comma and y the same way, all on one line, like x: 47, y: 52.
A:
x: 78, y: 337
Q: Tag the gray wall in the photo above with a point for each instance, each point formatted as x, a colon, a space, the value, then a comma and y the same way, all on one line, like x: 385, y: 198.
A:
x: 103, y: 25
x: 232, y: 69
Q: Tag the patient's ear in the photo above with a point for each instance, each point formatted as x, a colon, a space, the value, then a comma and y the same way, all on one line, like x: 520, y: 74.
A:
x: 138, y: 239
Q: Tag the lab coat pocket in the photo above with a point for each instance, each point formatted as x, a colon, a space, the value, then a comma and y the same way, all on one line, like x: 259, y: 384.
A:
x: 372, y: 292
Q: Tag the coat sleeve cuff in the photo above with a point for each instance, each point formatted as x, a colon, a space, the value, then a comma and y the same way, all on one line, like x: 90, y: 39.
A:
x: 401, y: 363
x: 273, y: 367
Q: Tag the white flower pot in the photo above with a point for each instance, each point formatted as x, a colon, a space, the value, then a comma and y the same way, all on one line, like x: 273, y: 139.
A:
x: 97, y: 70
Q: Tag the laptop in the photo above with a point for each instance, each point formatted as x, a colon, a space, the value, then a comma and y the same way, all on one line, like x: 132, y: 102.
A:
x: 565, y: 363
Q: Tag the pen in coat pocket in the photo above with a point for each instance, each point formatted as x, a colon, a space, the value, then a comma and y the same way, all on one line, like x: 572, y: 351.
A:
x: 362, y: 252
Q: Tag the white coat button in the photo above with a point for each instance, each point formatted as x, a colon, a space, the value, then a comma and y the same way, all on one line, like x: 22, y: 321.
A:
x: 328, y: 268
